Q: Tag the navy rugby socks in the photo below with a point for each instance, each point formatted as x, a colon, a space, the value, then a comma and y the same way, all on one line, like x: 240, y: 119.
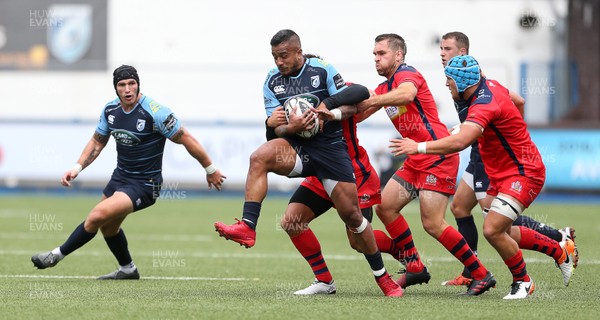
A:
x: 466, y: 227
x: 376, y: 263
x: 530, y: 223
x: 251, y: 213
x: 76, y: 240
x: 118, y: 246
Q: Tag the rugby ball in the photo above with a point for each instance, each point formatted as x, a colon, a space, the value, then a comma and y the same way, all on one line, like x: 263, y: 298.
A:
x: 300, y: 105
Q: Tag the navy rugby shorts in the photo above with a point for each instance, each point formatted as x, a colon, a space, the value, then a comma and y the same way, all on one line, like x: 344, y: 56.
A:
x: 324, y: 160
x: 480, y: 182
x: 142, y: 192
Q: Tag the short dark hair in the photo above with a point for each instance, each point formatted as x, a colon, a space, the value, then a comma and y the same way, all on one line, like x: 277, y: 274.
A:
x: 462, y: 41
x: 395, y: 41
x: 284, y: 35
x: 312, y: 55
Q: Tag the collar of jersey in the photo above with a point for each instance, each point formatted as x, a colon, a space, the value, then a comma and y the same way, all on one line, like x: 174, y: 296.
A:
x: 139, y: 103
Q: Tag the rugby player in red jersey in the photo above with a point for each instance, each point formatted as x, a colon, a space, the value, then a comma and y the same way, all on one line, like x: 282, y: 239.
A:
x: 512, y: 161
x: 411, y: 108
x: 472, y: 187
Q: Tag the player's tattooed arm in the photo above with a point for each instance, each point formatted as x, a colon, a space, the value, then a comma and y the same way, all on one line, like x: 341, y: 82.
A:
x: 93, y: 149
x: 177, y: 136
x: 100, y: 138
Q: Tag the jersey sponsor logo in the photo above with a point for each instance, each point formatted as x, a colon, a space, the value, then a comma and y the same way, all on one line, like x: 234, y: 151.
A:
x: 170, y: 122
x: 516, y: 187
x: 315, y: 81
x: 314, y: 100
x: 154, y: 106
x: 141, y: 124
x: 125, y: 137
x: 338, y: 81
x: 394, y: 112
x: 483, y: 97
x: 111, y: 119
x: 112, y: 109
x: 323, y: 62
x: 481, y: 94
x: 279, y: 89
x: 431, y: 180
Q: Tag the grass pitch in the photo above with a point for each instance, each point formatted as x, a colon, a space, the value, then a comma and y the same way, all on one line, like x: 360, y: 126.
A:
x: 189, y: 272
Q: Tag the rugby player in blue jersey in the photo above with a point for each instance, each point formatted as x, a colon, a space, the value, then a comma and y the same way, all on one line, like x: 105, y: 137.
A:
x: 324, y: 156
x: 140, y: 126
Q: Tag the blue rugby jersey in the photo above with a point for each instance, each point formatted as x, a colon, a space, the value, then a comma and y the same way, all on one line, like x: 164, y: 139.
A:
x: 140, y: 135
x: 316, y: 78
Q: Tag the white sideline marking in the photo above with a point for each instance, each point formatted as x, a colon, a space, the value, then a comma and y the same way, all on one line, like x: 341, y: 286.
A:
x: 38, y: 235
x: 33, y: 276
x: 294, y: 256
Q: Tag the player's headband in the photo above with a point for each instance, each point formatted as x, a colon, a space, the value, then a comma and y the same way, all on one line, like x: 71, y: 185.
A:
x: 464, y: 70
x: 125, y: 72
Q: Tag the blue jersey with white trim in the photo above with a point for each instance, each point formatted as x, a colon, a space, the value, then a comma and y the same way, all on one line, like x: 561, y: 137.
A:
x: 316, y: 78
x: 140, y: 135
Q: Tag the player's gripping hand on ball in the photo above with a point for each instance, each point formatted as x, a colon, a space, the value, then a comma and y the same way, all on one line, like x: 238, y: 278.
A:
x: 298, y: 123
x: 277, y: 118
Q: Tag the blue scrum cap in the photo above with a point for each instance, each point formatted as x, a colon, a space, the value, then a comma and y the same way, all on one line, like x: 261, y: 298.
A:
x: 464, y: 70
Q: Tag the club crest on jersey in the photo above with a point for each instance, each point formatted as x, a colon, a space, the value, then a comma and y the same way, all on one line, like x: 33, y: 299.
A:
x: 141, y: 124
x: 365, y: 198
x: 315, y: 81
x: 431, y: 179
x: 516, y: 186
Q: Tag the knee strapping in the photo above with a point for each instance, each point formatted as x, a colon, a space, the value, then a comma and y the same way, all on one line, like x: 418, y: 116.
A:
x: 364, y: 224
x: 506, y: 207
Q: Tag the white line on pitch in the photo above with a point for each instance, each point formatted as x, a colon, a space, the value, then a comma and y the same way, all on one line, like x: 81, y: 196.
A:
x: 159, y: 254
x: 144, y: 237
x: 33, y: 276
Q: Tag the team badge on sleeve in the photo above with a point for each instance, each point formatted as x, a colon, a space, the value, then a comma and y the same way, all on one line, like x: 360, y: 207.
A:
x: 339, y: 81
x: 170, y: 122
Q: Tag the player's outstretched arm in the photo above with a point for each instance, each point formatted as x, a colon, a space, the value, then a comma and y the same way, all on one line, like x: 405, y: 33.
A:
x: 90, y: 152
x: 339, y: 113
x: 214, y: 177
x: 404, y: 94
x: 466, y: 136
